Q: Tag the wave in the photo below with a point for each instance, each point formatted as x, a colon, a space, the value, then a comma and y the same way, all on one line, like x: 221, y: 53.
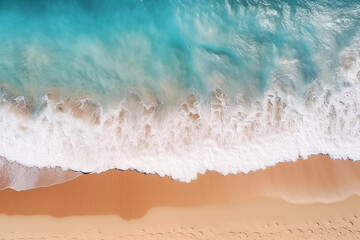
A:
x: 183, y: 140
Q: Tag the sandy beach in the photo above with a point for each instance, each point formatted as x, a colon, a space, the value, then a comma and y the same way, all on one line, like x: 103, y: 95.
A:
x: 317, y: 198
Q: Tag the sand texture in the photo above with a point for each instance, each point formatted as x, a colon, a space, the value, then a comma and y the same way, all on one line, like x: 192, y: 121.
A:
x: 258, y: 219
x: 318, y: 198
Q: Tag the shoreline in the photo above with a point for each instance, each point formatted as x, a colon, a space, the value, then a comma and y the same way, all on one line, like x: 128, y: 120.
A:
x: 307, y: 199
x: 130, y: 194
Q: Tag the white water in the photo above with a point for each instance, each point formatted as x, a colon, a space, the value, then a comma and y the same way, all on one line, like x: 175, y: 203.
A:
x: 193, y: 137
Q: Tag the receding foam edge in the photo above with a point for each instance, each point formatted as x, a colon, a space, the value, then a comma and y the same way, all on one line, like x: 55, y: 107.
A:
x: 18, y: 177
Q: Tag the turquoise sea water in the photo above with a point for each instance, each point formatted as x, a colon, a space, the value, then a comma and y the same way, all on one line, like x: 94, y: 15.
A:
x: 178, y: 87
x: 106, y: 48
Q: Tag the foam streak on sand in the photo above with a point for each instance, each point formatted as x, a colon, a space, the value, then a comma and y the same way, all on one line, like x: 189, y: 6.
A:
x: 18, y: 177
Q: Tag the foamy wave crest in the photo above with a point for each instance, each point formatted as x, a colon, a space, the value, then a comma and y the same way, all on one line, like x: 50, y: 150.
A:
x: 192, y: 137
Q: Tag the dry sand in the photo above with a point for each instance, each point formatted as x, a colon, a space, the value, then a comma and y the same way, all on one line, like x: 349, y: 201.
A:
x: 313, y: 199
x: 257, y: 219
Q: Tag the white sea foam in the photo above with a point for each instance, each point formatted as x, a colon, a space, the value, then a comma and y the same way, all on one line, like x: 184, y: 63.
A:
x: 193, y: 137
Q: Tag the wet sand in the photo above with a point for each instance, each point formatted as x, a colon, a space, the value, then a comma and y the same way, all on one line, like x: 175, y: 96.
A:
x: 314, y: 198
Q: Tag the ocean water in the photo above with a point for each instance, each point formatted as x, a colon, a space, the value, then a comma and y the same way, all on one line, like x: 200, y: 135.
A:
x: 178, y: 87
